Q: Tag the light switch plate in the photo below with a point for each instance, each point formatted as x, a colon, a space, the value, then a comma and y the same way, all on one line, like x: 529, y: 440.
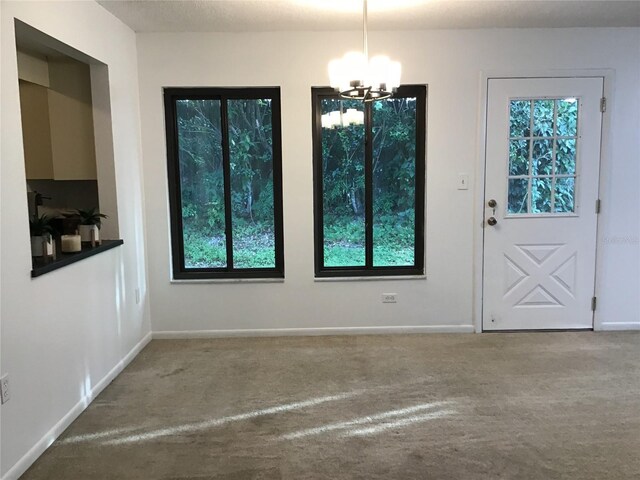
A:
x: 463, y: 181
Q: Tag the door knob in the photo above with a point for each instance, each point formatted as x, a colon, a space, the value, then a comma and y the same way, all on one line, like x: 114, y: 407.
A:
x: 492, y: 203
x: 492, y: 221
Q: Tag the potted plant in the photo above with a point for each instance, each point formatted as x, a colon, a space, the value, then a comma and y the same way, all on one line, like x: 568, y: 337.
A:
x: 90, y: 223
x: 41, y: 231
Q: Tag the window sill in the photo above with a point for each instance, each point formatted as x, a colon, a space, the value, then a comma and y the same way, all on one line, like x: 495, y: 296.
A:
x: 41, y: 267
x: 366, y: 279
x: 227, y: 280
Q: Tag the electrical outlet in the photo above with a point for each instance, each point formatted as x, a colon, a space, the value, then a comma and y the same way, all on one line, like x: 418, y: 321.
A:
x: 137, y: 296
x: 389, y: 298
x: 4, y: 384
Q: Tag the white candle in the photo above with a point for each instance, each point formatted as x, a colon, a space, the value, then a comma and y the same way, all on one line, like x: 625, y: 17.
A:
x: 71, y: 243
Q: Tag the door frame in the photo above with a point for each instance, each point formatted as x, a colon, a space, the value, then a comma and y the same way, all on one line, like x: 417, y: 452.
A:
x: 608, y: 77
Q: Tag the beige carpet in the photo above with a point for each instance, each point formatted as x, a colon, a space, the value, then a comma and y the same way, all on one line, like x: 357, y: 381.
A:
x: 491, y: 406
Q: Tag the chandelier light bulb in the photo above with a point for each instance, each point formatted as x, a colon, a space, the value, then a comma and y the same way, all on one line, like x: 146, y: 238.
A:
x: 340, y: 118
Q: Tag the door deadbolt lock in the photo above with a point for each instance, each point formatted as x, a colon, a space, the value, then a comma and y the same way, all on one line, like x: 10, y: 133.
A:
x: 492, y: 203
x: 492, y: 221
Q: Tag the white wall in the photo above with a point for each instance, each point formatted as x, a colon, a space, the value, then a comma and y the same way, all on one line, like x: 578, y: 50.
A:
x: 450, y: 62
x: 65, y: 334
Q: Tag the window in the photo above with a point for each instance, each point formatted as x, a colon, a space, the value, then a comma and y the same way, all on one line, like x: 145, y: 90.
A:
x: 543, y: 136
x: 369, y: 173
x: 225, y: 182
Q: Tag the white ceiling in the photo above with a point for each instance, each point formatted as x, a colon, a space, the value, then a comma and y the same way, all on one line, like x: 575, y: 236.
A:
x: 318, y: 15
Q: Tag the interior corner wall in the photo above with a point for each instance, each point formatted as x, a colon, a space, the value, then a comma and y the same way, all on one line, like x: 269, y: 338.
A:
x: 451, y: 63
x: 65, y: 334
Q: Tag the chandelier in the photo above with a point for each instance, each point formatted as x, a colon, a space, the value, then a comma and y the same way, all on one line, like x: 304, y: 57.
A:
x: 357, y: 77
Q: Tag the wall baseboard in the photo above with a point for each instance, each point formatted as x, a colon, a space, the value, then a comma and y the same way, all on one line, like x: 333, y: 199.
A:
x: 284, y: 332
x: 618, y: 326
x: 38, y: 449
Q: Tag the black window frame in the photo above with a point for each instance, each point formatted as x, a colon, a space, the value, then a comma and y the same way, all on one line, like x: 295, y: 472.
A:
x: 171, y: 95
x: 420, y: 93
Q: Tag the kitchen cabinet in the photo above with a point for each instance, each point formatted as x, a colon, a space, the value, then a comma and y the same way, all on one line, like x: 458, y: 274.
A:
x: 36, y: 131
x: 57, y: 124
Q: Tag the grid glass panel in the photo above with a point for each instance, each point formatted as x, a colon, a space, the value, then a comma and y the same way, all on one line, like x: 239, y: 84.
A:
x: 543, y: 142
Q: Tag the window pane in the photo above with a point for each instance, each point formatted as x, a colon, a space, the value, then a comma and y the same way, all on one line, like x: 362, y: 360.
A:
x: 394, y: 172
x: 552, y: 174
x: 251, y: 171
x: 518, y: 195
x: 519, y: 157
x: 542, y: 157
x: 201, y: 183
x: 343, y: 189
x: 566, y: 156
x: 543, y: 118
x: 567, y: 117
x: 564, y: 194
x: 541, y: 195
x: 520, y: 118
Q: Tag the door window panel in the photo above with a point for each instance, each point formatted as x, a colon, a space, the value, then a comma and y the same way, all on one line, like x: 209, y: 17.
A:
x: 567, y: 117
x: 518, y: 195
x: 543, y: 118
x: 564, y: 195
x: 520, y: 117
x: 566, y: 156
x: 543, y: 143
x: 519, y: 157
x: 542, y: 158
x: 541, y: 195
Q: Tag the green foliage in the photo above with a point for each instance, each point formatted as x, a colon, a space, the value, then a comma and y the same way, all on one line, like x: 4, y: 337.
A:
x: 202, y: 182
x: 201, y: 251
x: 394, y: 230
x: 344, y: 240
x: 40, y: 226
x: 343, y: 163
x: 251, y: 163
x: 551, y: 118
x: 384, y: 256
x: 344, y: 255
x: 394, y: 176
x: 394, y: 150
x: 254, y: 247
x: 340, y: 229
x: 201, y: 165
x: 90, y: 217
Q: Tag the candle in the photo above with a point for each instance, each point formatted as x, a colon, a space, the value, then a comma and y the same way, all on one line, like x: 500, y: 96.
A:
x: 71, y: 243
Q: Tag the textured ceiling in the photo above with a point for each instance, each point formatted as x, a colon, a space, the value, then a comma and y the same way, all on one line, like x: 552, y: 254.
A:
x: 319, y: 15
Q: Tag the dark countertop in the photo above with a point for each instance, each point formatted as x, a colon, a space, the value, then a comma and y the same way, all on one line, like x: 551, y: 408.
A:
x: 40, y: 266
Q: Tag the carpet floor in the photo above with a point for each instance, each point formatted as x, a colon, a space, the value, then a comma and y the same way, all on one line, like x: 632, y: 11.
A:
x: 442, y: 406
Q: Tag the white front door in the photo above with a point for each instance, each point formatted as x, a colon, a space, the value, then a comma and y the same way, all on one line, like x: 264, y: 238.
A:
x: 541, y: 187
